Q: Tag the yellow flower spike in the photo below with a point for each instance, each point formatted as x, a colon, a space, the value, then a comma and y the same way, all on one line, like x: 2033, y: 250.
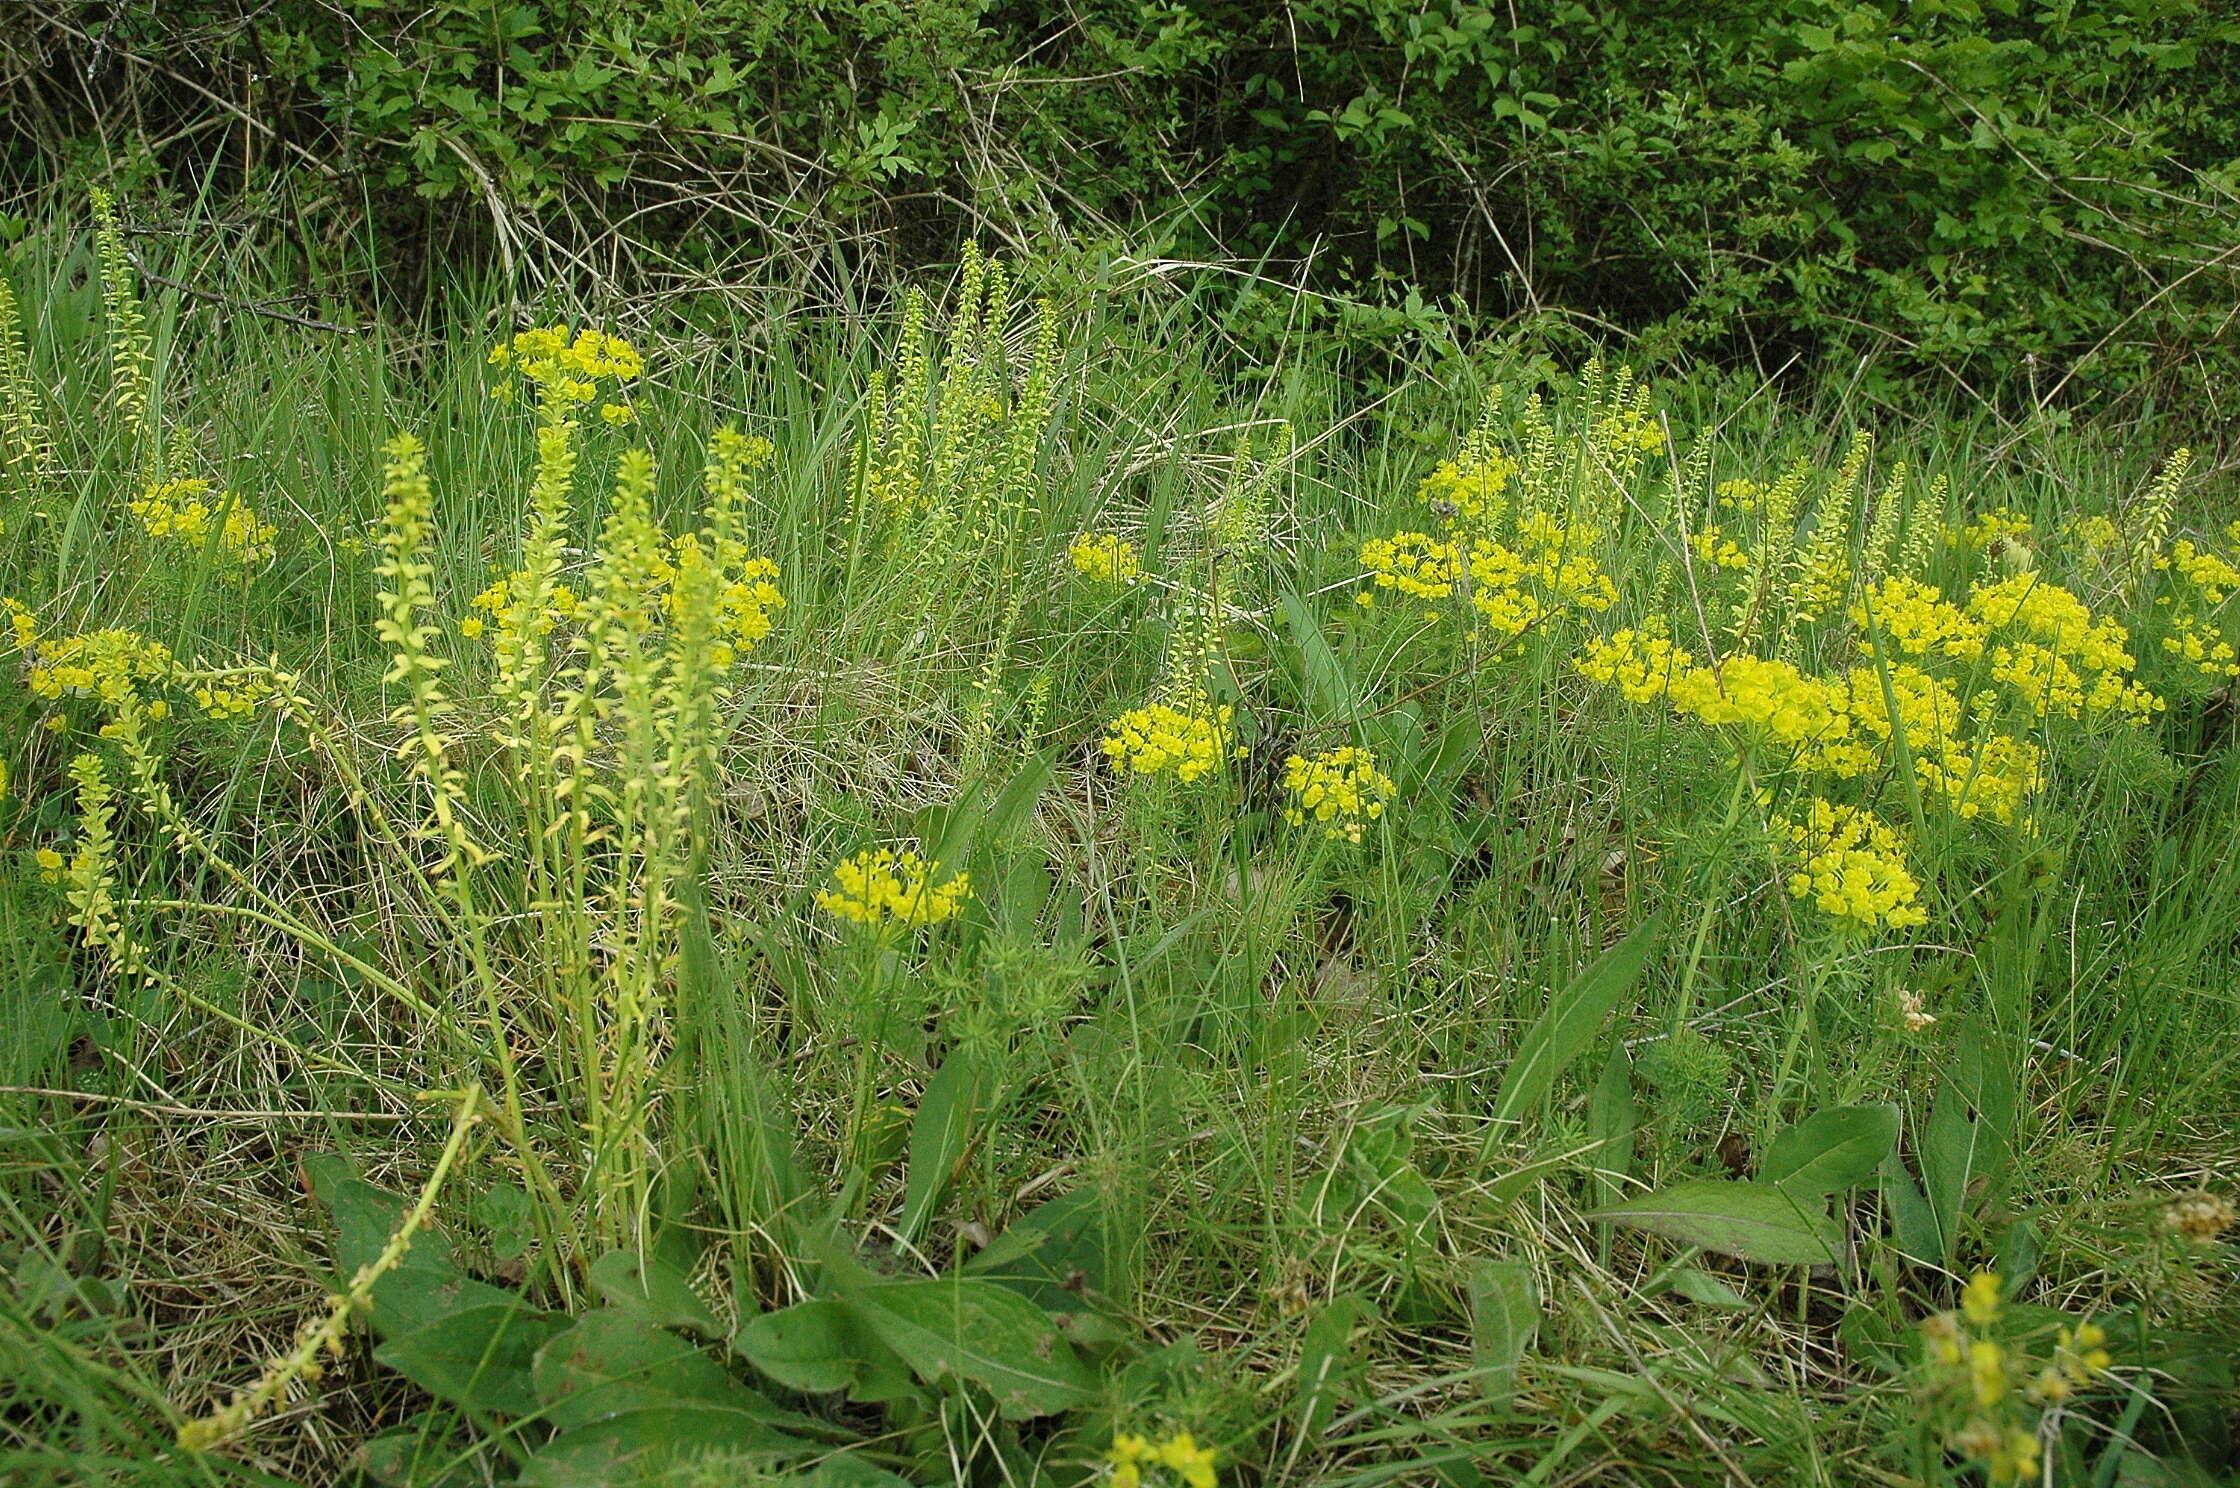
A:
x: 1980, y: 1298
x: 1987, y: 1372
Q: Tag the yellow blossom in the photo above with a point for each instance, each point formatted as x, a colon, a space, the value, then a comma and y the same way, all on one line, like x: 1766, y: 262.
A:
x: 1339, y: 790
x: 881, y: 884
x: 1189, y: 740
x: 1105, y: 557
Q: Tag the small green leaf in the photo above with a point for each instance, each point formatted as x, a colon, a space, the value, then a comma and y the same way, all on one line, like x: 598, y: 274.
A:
x: 940, y: 1136
x: 480, y: 1358
x: 811, y: 1346
x: 1831, y: 1150
x: 1568, y: 1026
x: 649, y: 1288
x: 1911, y: 1222
x: 640, y: 1446
x: 1504, y: 1318
x: 1755, y: 1221
x: 1703, y: 1287
x: 983, y: 1332
x: 1326, y: 1361
x: 611, y: 1362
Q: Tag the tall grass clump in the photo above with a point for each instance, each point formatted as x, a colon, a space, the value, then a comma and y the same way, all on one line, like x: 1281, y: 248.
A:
x: 1012, y: 911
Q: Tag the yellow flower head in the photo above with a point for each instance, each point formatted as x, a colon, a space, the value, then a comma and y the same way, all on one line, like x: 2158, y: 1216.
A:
x: 567, y: 366
x: 1160, y: 736
x: 186, y: 512
x: 1106, y: 557
x: 1854, y: 868
x: 881, y: 884
x: 1339, y: 790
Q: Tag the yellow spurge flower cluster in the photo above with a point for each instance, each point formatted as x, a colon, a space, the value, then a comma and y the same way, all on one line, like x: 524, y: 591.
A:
x: 2048, y: 645
x: 1339, y: 791
x: 1852, y: 867
x: 1190, y: 740
x: 183, y: 510
x: 1990, y: 529
x: 566, y: 366
x: 1106, y: 558
x: 1470, y: 490
x: 882, y: 884
x: 2199, y: 601
x: 1714, y: 547
x: 1546, y: 569
x: 1994, y: 1389
x: 108, y: 665
x: 497, y: 602
x: 1179, y: 1453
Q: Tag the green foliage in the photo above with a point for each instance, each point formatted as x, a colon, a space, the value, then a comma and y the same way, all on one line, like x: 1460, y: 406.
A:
x: 2037, y: 201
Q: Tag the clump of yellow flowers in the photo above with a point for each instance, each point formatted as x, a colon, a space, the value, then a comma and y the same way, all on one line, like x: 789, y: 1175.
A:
x: 183, y: 510
x: 1189, y: 740
x: 1179, y: 1454
x: 1993, y: 1389
x: 1520, y: 565
x: 1853, y: 867
x: 1339, y: 790
x: 565, y: 367
x: 883, y: 884
x: 1106, y: 558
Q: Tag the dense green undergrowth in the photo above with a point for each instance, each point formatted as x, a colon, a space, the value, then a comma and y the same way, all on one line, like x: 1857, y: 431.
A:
x: 2032, y: 204
x: 1009, y: 892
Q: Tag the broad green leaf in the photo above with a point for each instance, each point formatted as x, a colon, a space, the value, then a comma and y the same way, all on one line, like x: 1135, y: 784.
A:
x: 642, y: 1446
x: 1504, y: 1319
x: 1568, y: 1026
x: 845, y: 1470
x: 814, y: 1346
x: 940, y: 1136
x: 1326, y: 1361
x: 366, y: 1217
x: 983, y: 1332
x: 410, y: 1298
x: 1058, y: 1255
x: 1612, y: 1116
x: 1755, y: 1221
x: 649, y: 1288
x: 1911, y: 1222
x: 480, y: 1358
x: 1831, y: 1150
x: 611, y: 1362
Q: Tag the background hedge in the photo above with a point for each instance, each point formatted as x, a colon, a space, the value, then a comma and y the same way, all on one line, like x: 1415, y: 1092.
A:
x: 2042, y: 200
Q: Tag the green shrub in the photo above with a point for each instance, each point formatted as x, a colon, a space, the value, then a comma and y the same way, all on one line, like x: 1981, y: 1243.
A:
x: 2040, y: 201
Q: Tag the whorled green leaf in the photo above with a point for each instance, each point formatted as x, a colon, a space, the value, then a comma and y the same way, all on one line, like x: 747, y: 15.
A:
x: 480, y: 1358
x: 1755, y: 1221
x: 1831, y: 1150
x: 979, y: 1331
x: 652, y: 1289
